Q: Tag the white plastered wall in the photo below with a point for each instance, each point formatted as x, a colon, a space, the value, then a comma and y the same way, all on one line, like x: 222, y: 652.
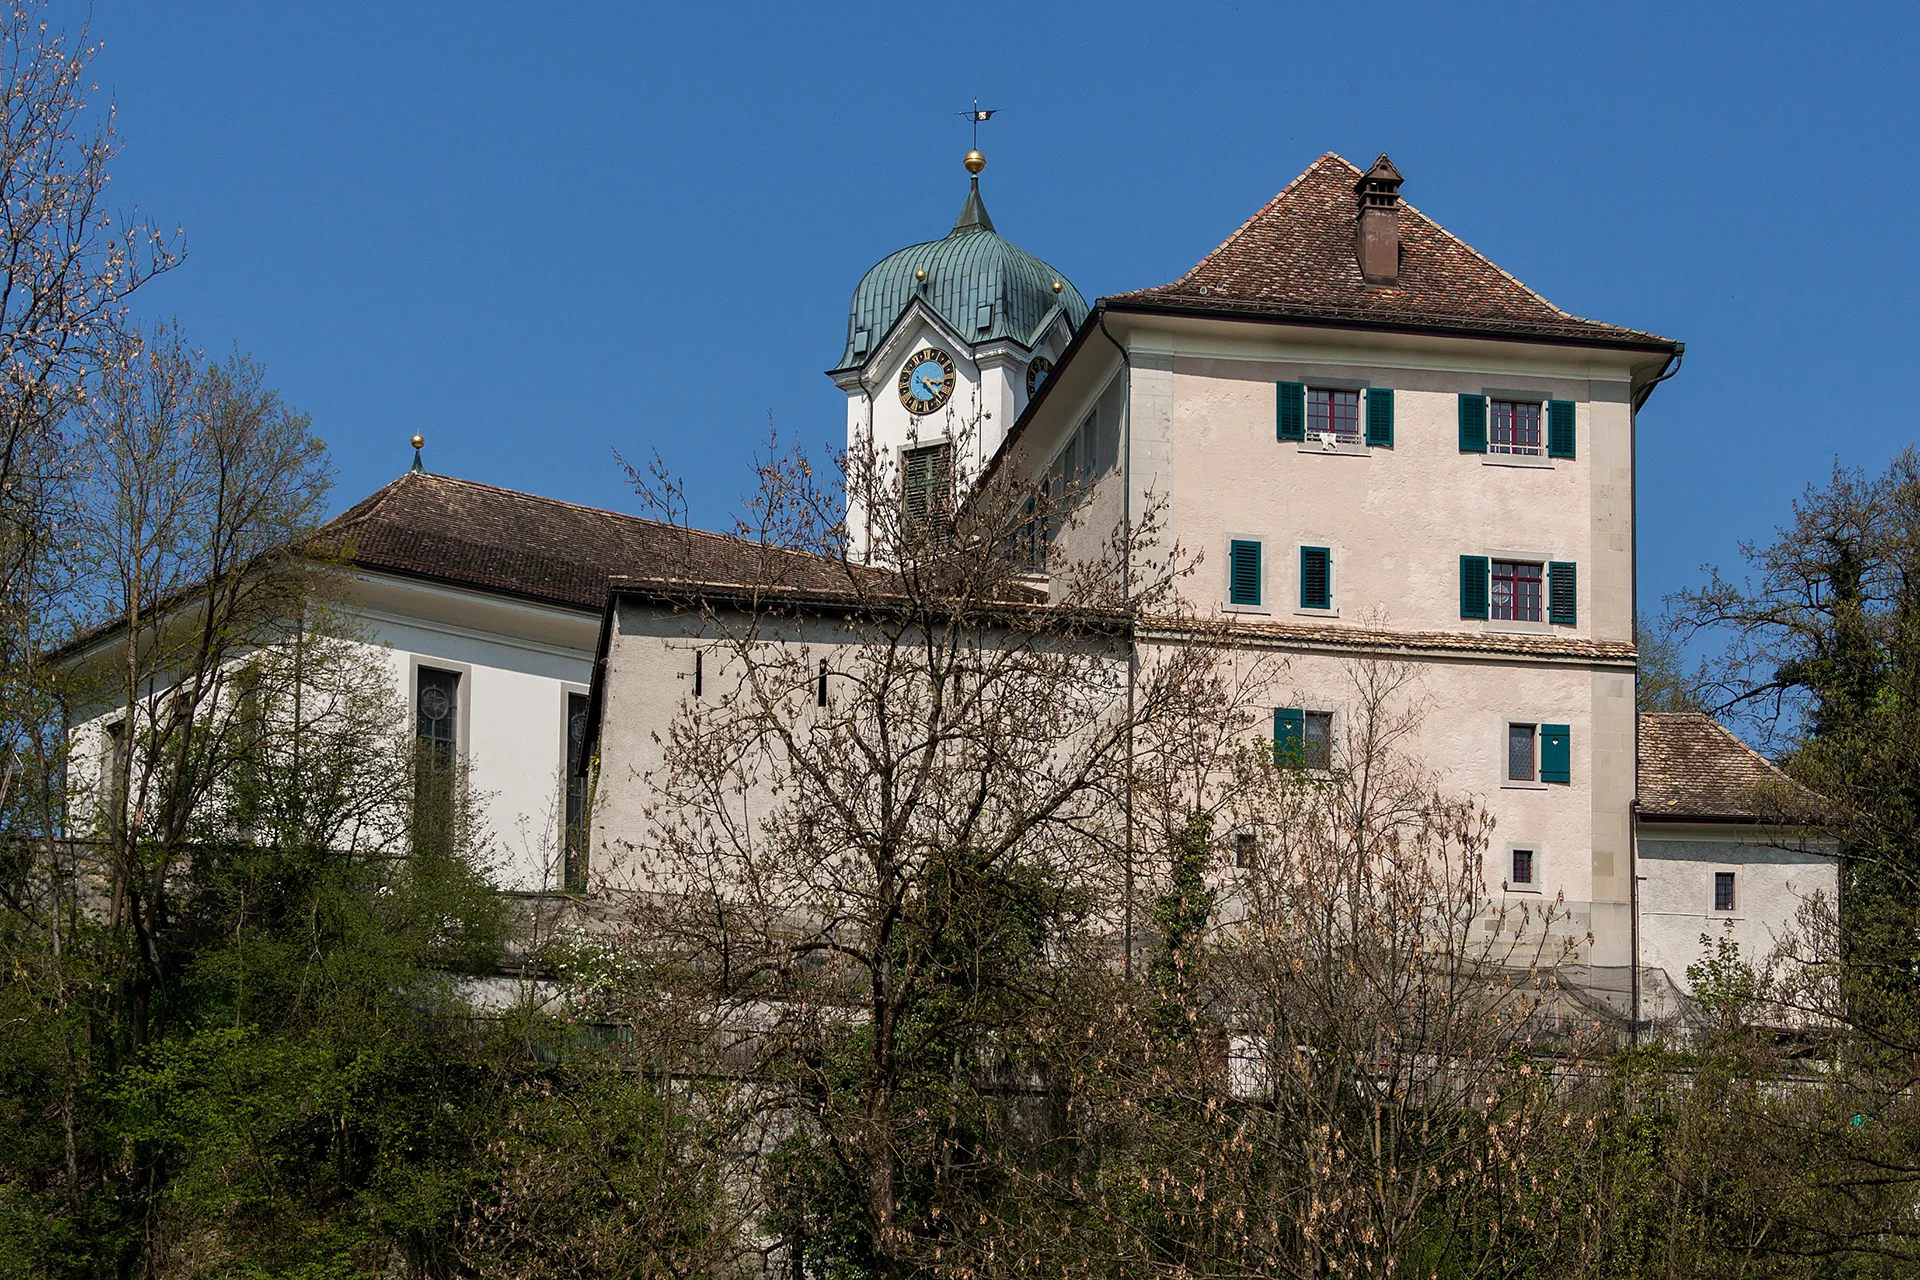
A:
x: 517, y: 662
x: 1775, y: 874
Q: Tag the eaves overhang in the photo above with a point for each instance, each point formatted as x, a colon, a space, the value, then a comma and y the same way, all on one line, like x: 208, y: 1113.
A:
x: 1499, y: 330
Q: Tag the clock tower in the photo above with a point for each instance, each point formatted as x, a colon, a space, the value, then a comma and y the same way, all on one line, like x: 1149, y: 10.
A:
x: 947, y: 341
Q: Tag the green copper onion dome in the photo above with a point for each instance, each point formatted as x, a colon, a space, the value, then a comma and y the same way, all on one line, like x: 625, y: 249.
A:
x: 984, y: 287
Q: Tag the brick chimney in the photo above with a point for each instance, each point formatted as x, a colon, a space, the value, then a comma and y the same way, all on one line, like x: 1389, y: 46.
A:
x: 1378, y: 237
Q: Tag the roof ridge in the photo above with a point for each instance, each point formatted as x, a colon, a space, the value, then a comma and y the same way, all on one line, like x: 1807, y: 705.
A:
x: 608, y: 511
x: 1240, y: 230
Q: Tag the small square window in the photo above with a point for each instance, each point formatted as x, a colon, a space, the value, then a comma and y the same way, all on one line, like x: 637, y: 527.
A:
x: 1246, y: 849
x: 1332, y: 412
x: 1723, y: 891
x: 1523, y: 869
x: 1516, y: 591
x: 1317, y: 741
x: 1520, y: 753
x: 1515, y: 428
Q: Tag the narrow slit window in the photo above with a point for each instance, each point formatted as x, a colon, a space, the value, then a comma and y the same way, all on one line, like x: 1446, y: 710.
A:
x: 1723, y: 891
x: 820, y: 690
x: 698, y: 670
x: 575, y: 871
x: 436, y: 733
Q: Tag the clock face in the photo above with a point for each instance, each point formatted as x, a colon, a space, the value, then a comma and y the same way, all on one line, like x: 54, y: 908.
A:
x: 927, y: 381
x: 1037, y: 373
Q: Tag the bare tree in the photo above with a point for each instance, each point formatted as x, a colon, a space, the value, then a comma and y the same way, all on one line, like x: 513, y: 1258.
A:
x: 201, y: 489
x: 1339, y: 1063
x: 897, y: 818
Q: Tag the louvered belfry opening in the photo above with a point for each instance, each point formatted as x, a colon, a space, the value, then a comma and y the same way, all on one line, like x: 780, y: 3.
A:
x: 1377, y: 239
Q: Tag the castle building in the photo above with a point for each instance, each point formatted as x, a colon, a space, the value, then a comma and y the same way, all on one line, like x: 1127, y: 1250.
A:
x: 1379, y: 443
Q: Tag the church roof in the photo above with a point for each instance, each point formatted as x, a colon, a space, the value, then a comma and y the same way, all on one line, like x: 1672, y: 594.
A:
x: 984, y: 286
x: 1296, y: 258
x: 1693, y: 768
x: 465, y: 534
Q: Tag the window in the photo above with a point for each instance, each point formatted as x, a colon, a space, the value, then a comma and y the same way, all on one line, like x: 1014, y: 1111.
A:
x: 1316, y: 578
x: 1319, y: 739
x: 820, y: 690
x: 1523, y: 869
x: 436, y: 703
x: 927, y: 482
x: 1333, y: 413
x: 1515, y: 428
x: 1516, y: 591
x: 575, y: 870
x: 1723, y: 891
x: 1302, y: 739
x: 1243, y: 573
x: 1520, y: 739
x: 113, y: 761
x: 1246, y: 849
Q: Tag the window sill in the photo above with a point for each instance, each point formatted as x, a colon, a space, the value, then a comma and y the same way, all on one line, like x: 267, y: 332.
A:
x: 1540, y: 461
x: 1255, y: 609
x: 1316, y: 613
x: 1512, y: 784
x: 1531, y: 890
x: 1500, y: 625
x: 1337, y: 449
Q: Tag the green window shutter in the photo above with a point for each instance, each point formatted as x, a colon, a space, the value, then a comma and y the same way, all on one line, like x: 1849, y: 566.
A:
x: 1559, y: 428
x: 1473, y: 424
x: 1243, y: 572
x: 1380, y: 417
x: 1556, y: 753
x: 1289, y: 737
x: 1563, y: 595
x: 1292, y: 410
x: 1316, y: 578
x: 1473, y: 586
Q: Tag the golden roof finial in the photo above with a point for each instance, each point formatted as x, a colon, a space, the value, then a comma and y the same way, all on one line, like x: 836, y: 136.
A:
x: 975, y: 162
x: 418, y: 442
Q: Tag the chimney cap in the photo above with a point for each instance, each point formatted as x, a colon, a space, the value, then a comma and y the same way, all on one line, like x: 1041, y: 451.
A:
x: 1382, y: 171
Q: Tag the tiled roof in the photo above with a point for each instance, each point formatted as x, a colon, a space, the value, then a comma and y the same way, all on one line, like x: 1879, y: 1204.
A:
x: 1691, y: 766
x: 1296, y: 258
x: 1521, y: 645
x: 474, y: 535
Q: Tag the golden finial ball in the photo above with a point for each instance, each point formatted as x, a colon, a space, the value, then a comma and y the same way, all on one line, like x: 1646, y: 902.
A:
x: 1056, y: 286
x: 919, y: 273
x: 418, y: 440
x: 975, y: 162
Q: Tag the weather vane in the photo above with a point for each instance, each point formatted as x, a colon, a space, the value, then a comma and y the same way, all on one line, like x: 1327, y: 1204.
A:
x: 976, y: 116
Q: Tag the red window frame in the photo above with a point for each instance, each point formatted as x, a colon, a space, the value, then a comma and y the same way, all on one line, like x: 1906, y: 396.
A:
x: 1514, y: 427
x: 1518, y: 589
x: 1333, y: 409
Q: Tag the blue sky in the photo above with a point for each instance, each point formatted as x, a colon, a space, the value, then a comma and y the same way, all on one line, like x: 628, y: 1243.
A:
x: 539, y: 233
